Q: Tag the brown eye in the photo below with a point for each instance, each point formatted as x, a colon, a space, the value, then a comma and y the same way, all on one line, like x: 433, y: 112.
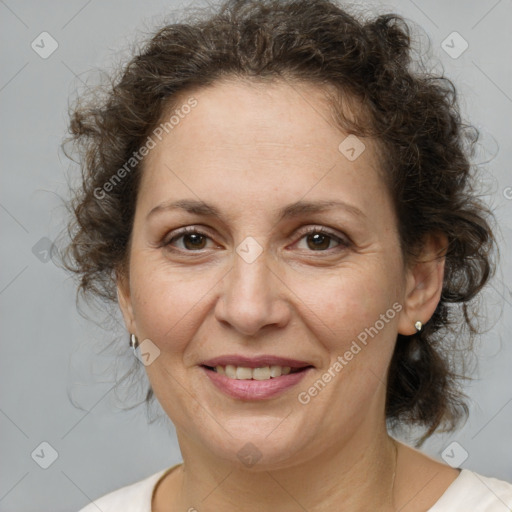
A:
x: 194, y: 241
x: 191, y: 240
x: 320, y: 240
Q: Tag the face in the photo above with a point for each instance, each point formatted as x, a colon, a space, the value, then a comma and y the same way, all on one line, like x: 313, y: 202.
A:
x: 289, y: 278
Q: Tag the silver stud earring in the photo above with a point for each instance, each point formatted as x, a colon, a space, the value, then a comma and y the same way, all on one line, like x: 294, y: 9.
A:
x: 134, y: 342
x: 418, y: 326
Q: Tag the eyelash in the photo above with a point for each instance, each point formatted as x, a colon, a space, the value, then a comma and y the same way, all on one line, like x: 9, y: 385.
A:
x: 343, y: 242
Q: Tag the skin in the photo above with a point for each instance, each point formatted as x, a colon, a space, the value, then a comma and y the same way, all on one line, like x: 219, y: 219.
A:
x: 251, y: 149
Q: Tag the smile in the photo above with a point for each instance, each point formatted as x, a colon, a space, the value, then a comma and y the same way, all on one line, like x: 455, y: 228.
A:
x: 254, y: 383
x: 246, y: 373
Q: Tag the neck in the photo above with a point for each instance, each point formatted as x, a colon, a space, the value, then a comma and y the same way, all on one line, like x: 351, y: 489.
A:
x: 355, y: 476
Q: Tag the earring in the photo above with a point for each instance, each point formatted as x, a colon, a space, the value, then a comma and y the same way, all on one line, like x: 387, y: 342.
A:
x: 418, y: 326
x: 134, y: 342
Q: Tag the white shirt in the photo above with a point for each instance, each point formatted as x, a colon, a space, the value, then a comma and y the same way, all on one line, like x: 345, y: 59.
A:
x: 469, y: 492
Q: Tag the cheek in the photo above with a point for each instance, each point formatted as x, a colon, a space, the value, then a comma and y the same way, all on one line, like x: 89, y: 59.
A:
x: 166, y: 304
x: 344, y: 304
x: 344, y: 314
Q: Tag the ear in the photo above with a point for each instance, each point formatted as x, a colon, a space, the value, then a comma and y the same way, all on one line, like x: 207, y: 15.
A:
x: 124, y: 300
x: 424, y: 283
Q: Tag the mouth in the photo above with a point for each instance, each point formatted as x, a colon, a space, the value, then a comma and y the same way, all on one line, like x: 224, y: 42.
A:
x: 258, y: 373
x: 254, y: 379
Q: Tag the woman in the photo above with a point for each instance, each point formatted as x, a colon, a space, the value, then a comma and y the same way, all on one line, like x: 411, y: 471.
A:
x: 283, y: 210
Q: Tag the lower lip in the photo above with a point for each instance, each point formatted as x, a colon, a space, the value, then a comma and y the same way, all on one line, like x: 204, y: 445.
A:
x: 250, y: 389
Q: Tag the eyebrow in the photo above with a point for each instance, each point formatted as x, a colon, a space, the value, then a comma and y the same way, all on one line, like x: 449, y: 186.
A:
x: 296, y: 209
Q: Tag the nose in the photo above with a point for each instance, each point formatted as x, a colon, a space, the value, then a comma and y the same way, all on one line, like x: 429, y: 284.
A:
x: 253, y: 297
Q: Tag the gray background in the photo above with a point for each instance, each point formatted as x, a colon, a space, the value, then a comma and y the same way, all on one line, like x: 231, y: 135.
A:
x: 49, y: 352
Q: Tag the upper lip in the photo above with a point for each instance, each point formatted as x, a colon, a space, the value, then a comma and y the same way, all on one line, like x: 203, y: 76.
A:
x: 255, y: 362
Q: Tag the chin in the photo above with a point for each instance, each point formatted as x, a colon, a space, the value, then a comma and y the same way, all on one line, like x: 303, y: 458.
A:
x: 258, y: 443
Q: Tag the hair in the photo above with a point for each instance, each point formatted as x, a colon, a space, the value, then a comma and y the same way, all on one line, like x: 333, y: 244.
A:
x: 413, y: 114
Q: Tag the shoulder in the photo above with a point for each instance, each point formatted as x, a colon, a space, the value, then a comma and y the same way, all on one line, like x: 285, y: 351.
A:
x: 472, y: 491
x: 133, y: 497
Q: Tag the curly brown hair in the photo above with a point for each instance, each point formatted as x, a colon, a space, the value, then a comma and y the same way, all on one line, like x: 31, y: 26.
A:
x: 412, y: 113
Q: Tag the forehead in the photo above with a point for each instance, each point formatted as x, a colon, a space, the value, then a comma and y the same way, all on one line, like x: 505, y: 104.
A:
x: 280, y: 137
x: 278, y: 113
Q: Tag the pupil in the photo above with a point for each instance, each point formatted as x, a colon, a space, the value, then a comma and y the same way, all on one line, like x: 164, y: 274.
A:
x: 318, y: 237
x: 196, y: 240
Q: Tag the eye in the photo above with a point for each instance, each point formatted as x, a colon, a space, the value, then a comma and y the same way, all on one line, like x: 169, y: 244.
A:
x: 192, y: 238
x: 320, y: 239
x: 317, y: 239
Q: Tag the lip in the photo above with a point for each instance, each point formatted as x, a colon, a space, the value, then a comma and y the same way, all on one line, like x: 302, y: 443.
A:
x: 249, y: 389
x: 255, y: 362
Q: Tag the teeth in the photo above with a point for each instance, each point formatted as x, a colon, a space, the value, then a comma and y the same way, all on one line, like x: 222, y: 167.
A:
x: 244, y: 373
x: 230, y: 371
x: 275, y: 371
x: 261, y: 373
